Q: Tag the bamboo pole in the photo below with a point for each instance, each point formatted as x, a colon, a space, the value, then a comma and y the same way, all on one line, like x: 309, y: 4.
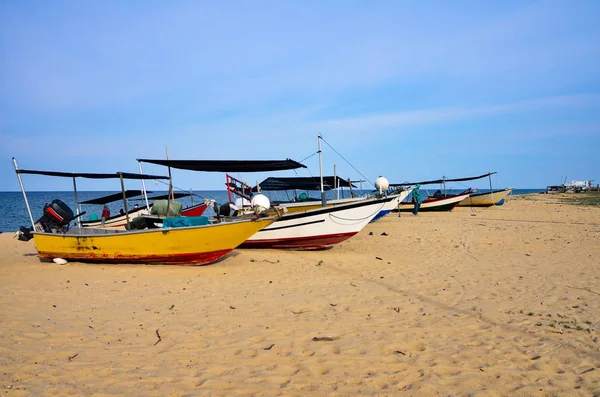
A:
x: 23, y: 191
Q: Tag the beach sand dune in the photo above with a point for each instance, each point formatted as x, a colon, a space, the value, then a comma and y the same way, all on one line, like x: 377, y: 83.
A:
x: 498, y: 301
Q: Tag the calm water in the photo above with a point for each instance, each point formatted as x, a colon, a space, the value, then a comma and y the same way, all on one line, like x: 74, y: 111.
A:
x: 14, y: 212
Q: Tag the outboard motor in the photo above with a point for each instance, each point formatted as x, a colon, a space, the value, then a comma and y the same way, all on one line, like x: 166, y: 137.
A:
x: 55, y: 219
x: 228, y: 209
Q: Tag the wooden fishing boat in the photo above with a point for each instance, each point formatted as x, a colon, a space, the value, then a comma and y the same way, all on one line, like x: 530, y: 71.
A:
x: 319, y: 228
x: 486, y: 199
x: 198, y: 245
x: 435, y: 204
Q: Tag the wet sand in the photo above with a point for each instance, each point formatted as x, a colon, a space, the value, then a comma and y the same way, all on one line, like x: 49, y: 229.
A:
x: 498, y: 301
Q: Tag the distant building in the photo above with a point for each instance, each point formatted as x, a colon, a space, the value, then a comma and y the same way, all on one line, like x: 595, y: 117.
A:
x: 573, y: 186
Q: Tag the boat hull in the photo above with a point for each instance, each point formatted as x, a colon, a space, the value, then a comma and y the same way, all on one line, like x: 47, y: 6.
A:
x: 196, y: 245
x: 485, y: 199
x: 435, y: 204
x: 389, y: 207
x: 318, y: 228
x: 195, y: 210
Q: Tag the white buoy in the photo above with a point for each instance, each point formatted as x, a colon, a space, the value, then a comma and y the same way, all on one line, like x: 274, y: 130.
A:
x: 60, y: 261
x: 382, y: 184
x: 261, y: 203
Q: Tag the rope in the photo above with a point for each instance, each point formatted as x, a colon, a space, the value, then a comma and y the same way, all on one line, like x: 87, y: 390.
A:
x: 306, y: 158
x: 333, y: 216
x: 338, y: 153
x: 178, y: 188
x: 302, y: 161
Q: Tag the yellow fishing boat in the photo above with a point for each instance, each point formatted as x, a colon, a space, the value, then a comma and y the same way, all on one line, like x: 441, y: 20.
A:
x: 192, y: 245
x: 181, y: 240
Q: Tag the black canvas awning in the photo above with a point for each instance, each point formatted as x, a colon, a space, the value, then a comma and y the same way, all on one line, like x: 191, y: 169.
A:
x: 301, y: 183
x: 113, y: 197
x: 471, y: 178
x: 228, y: 165
x: 89, y: 175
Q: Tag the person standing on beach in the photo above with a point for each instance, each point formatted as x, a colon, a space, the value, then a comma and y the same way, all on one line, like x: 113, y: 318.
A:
x: 105, y: 214
x: 416, y: 198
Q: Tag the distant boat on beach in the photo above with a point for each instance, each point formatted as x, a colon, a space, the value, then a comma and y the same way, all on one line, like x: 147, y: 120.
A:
x: 442, y: 201
x: 435, y: 204
x: 486, y: 199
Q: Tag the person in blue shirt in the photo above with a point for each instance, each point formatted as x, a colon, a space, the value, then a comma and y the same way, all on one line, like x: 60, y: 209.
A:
x: 416, y: 198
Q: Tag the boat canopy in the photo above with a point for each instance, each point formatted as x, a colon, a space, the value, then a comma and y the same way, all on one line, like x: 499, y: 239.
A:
x: 228, y: 165
x: 302, y: 183
x: 113, y: 197
x: 89, y: 175
x: 471, y: 178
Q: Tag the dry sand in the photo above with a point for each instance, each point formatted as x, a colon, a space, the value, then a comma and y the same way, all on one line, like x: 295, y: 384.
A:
x: 498, y: 301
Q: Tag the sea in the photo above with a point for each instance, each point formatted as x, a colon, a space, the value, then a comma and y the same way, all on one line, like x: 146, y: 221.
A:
x: 13, y: 211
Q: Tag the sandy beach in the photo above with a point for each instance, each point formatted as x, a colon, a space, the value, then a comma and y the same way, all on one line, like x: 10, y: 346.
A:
x: 499, y: 301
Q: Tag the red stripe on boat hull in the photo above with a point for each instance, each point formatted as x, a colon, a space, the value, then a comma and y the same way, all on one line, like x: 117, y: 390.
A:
x: 194, y: 211
x: 192, y: 259
x: 299, y: 243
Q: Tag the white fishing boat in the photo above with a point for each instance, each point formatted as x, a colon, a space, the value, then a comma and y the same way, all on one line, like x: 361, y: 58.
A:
x: 318, y: 228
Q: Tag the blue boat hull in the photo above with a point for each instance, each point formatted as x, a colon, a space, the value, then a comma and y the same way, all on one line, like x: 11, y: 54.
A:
x: 380, y: 215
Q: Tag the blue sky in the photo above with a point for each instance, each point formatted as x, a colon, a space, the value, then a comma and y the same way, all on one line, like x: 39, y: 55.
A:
x: 408, y: 90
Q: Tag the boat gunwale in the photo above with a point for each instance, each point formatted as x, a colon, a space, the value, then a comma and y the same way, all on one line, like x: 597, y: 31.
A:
x: 438, y: 200
x: 492, y: 192
x: 116, y: 232
x: 341, y: 207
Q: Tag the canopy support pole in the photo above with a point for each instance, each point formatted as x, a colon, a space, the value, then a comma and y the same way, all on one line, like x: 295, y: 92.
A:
x: 76, y: 203
x: 23, y: 191
x: 144, y: 189
x: 170, y: 184
x: 125, y: 201
x: 228, y: 187
x: 323, y: 197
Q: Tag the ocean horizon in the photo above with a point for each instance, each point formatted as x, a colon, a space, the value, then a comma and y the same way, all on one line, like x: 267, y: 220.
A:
x: 14, y: 211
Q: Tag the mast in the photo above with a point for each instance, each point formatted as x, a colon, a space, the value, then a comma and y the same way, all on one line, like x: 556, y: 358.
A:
x: 323, y: 198
x: 23, y: 191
